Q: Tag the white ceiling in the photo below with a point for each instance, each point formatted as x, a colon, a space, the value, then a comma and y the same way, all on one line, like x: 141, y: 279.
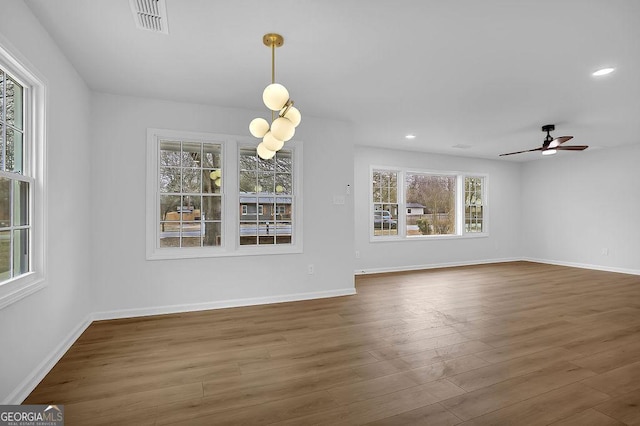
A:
x: 486, y: 74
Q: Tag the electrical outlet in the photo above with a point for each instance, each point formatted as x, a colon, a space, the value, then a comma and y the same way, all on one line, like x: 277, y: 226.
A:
x: 357, y: 254
x: 605, y: 251
x: 310, y: 269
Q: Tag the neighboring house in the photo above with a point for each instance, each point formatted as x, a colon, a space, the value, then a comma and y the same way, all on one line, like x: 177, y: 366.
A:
x: 265, y: 208
x: 415, y: 209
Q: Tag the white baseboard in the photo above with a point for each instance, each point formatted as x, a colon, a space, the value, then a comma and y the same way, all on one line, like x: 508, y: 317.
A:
x: 487, y: 261
x: 29, y: 384
x: 232, y: 303
x: 584, y: 266
x: 433, y: 266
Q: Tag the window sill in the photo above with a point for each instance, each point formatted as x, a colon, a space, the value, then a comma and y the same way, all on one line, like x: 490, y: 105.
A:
x: 427, y: 237
x: 174, y: 254
x: 18, y: 288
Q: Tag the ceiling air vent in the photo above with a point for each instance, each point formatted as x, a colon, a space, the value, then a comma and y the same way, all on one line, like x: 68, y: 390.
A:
x: 150, y: 15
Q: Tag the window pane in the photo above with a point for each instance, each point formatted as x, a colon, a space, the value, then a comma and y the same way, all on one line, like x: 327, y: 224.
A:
x: 212, y: 235
x: 13, y: 96
x: 169, y: 207
x: 191, y: 154
x: 266, y: 232
x: 437, y: 194
x: 266, y: 183
x: 248, y: 233
x: 283, y: 162
x: 191, y: 234
x: 169, y: 179
x: 14, y: 150
x: 20, y: 203
x: 283, y: 209
x: 211, y: 181
x: 248, y: 159
x: 191, y: 180
x: 190, y: 209
x: 211, y: 208
x: 248, y: 181
x: 170, y: 153
x: 5, y: 202
x: 20, y: 251
x: 5, y: 255
x: 283, y: 232
x: 249, y: 208
x: 212, y: 156
x: 283, y: 184
x: 170, y: 234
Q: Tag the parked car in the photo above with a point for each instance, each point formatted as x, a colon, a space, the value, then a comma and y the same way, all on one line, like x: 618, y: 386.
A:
x: 382, y: 220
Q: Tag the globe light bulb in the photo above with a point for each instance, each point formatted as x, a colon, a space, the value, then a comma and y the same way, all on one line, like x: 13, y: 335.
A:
x: 283, y: 129
x: 215, y: 174
x: 275, y: 96
x: 272, y: 143
x: 293, y: 115
x: 264, y: 152
x: 259, y: 127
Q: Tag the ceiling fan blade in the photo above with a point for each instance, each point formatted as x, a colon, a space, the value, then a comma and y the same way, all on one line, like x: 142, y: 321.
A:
x: 520, y: 152
x: 572, y: 148
x: 562, y: 139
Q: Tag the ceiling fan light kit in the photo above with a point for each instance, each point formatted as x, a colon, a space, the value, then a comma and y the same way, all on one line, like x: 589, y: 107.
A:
x: 551, y: 145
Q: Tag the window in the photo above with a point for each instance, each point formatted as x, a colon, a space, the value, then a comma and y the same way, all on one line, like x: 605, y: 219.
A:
x: 190, y: 183
x: 211, y: 195
x: 266, y: 187
x: 21, y: 185
x: 473, y: 208
x: 434, y: 204
x: 437, y: 195
x: 385, y: 202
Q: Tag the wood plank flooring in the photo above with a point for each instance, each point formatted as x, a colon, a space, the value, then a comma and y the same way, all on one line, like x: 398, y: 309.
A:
x: 502, y: 344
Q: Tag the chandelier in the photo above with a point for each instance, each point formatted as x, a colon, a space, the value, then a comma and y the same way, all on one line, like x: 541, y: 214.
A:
x: 276, y: 98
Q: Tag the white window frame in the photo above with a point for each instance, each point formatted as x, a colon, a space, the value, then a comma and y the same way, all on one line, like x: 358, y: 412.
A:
x: 34, y: 99
x: 230, y: 245
x: 296, y: 148
x: 402, y: 205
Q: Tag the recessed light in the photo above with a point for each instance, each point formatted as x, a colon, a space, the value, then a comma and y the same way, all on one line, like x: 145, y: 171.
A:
x: 410, y: 136
x: 603, y: 71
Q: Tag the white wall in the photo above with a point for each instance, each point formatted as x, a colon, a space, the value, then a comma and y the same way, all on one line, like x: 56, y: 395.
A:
x: 34, y: 328
x: 124, y: 280
x: 503, y: 209
x: 577, y: 204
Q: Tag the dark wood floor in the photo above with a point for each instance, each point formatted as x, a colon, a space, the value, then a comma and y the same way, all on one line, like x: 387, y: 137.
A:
x: 506, y: 344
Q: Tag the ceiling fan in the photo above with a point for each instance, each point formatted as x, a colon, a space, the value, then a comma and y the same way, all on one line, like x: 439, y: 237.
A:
x: 551, y: 145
